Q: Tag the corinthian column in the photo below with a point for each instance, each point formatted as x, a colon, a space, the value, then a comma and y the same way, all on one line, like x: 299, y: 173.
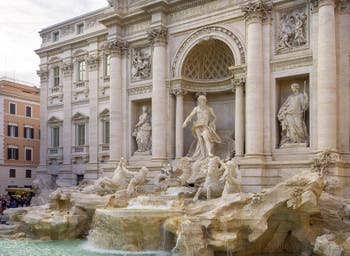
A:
x: 158, y: 38
x: 254, y: 13
x: 326, y: 77
x: 116, y: 47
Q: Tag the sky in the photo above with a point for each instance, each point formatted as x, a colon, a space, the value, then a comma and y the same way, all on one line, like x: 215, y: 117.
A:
x: 20, y: 22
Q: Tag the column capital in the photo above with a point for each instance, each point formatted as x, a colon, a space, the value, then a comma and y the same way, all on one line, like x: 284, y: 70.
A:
x: 256, y: 11
x: 158, y: 35
x: 315, y: 4
x: 116, y: 46
x: 178, y: 91
x: 43, y: 74
x: 238, y: 82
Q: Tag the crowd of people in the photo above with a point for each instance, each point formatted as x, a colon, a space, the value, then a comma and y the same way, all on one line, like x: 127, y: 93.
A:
x: 14, y: 201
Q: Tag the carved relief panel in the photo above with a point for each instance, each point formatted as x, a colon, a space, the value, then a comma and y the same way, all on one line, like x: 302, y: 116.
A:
x: 141, y: 63
x: 291, y: 29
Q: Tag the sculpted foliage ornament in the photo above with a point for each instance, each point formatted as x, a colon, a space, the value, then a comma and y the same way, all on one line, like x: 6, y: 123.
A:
x: 257, y: 10
x: 116, y: 45
x: 158, y: 35
x: 324, y: 161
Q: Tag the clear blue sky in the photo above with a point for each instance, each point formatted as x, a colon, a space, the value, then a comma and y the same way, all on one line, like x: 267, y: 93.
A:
x: 20, y: 22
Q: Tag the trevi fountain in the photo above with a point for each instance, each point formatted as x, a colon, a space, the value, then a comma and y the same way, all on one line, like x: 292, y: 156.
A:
x: 192, y: 128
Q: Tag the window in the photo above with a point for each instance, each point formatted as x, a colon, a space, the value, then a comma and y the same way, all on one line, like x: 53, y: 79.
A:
x: 56, y: 76
x: 12, y: 153
x: 28, y: 174
x: 81, y: 70
x: 12, y: 173
x: 55, y: 36
x: 80, y: 28
x: 28, y: 111
x: 28, y: 132
x: 28, y: 154
x: 12, y: 130
x: 12, y: 108
x: 55, y: 137
x: 80, y: 135
x: 106, y: 132
x: 107, y: 65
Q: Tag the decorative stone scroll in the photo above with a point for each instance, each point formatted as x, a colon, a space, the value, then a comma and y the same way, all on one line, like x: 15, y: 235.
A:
x: 158, y: 35
x: 291, y: 32
x: 141, y: 63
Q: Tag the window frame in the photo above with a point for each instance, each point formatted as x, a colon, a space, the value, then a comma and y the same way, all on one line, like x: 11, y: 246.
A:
x: 107, y: 65
x: 25, y: 110
x: 31, y: 133
x: 15, y: 105
x: 56, y: 76
x: 12, y: 173
x: 10, y: 131
x: 78, y: 138
x: 55, y: 36
x: 27, y: 149
x: 28, y: 171
x: 81, y: 72
x: 53, y: 144
x: 12, y: 152
x: 80, y: 28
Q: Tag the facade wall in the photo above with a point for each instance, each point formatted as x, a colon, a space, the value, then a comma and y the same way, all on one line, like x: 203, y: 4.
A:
x: 21, y: 96
x: 148, y: 66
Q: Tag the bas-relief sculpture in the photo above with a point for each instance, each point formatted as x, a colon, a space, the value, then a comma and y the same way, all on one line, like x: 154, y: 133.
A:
x: 292, y: 31
x: 291, y: 116
x: 143, y: 132
x: 203, y: 129
x: 141, y: 63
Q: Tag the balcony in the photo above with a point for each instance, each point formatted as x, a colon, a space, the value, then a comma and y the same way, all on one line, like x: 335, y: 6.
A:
x: 55, y: 155
x: 55, y: 95
x: 103, y: 152
x: 56, y: 90
x: 80, y: 154
x: 80, y: 91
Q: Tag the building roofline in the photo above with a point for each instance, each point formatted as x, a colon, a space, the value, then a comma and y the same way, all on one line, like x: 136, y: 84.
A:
x: 19, y: 83
x: 74, y: 19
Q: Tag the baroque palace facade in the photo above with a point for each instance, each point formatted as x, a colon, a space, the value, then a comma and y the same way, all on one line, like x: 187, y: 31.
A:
x: 118, y: 82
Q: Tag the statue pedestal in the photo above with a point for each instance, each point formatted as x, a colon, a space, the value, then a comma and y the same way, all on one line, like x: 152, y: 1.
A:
x: 142, y: 153
x: 294, y: 145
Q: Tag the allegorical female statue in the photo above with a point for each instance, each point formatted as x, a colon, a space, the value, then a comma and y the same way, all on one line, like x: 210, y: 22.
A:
x: 292, y: 117
x: 203, y: 129
x: 143, y: 131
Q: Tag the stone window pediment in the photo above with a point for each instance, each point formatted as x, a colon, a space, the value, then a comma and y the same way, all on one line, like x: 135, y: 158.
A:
x: 79, y: 117
x: 54, y: 121
x: 104, y: 114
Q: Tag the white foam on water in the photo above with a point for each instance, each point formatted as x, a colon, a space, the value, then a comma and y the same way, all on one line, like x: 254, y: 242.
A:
x: 90, y: 247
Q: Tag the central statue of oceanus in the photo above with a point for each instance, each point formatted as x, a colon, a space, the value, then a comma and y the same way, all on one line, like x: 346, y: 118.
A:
x: 203, y: 129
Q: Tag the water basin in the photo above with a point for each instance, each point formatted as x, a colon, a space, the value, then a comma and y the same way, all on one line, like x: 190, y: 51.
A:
x: 62, y: 248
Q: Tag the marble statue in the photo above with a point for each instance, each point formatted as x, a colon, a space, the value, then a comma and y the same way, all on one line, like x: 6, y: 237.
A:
x: 300, y: 29
x: 203, y: 129
x: 232, y: 177
x: 106, y: 185
x: 143, y: 130
x: 139, y: 179
x: 213, y: 184
x: 292, y: 117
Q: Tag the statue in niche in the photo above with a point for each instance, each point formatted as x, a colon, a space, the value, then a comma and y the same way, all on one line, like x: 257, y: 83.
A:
x: 141, y: 64
x: 143, y: 131
x: 292, y: 117
x: 203, y: 129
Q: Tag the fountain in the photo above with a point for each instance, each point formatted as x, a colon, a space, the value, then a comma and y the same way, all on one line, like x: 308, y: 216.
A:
x: 196, y: 208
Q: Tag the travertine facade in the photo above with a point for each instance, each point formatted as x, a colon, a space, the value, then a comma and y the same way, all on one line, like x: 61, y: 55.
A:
x: 19, y: 134
x: 99, y: 70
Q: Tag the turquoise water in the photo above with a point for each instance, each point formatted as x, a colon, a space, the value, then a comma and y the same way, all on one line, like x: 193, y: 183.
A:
x: 61, y: 248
